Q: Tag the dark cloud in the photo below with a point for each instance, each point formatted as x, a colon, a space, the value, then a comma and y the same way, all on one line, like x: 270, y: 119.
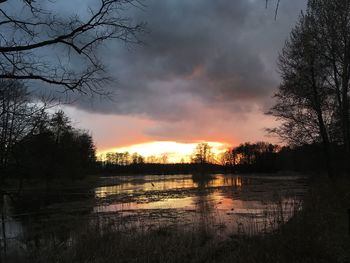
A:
x: 212, y: 51
x: 198, y: 54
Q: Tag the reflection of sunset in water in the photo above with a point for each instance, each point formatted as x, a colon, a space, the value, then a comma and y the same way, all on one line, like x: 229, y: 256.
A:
x: 222, y: 199
x: 129, y: 184
x: 131, y: 187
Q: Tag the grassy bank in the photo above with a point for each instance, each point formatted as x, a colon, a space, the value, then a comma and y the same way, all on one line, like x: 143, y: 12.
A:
x: 318, y: 233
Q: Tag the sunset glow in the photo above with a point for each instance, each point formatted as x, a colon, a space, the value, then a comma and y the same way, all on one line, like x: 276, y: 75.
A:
x: 175, y: 151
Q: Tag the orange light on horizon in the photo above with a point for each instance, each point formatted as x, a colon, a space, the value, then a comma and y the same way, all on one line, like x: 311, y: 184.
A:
x: 175, y: 151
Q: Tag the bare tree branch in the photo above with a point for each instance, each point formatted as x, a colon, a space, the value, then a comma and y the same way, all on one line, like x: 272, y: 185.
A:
x: 22, y: 39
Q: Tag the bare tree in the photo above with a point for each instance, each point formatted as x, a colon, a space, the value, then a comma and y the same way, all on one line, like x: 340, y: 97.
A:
x: 19, y: 117
x: 37, y: 43
x: 313, y: 99
x: 305, y: 103
x: 202, y: 154
x: 331, y: 22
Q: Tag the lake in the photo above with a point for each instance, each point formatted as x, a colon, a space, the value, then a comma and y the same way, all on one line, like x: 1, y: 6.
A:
x: 225, y: 204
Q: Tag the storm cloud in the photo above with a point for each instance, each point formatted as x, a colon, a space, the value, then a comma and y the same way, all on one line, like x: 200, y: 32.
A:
x: 214, y: 51
x: 202, y: 60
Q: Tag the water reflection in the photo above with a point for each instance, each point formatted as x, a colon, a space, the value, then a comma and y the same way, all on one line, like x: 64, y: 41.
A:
x: 130, y: 184
x: 227, y: 203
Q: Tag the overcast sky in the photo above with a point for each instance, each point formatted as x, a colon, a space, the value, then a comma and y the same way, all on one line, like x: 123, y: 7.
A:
x: 207, y: 71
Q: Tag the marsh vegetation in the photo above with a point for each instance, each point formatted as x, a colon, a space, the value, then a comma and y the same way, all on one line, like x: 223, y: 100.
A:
x: 133, y: 207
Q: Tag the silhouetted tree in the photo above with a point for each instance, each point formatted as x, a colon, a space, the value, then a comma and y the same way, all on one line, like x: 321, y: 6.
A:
x: 38, y: 43
x: 19, y: 117
x: 117, y: 158
x: 303, y: 103
x: 58, y: 151
x: 137, y: 158
x: 260, y: 157
x: 330, y: 20
x: 59, y: 125
x: 313, y: 101
x: 228, y: 158
x: 202, y: 154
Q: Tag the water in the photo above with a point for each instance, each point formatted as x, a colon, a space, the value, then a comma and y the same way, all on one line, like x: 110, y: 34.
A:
x: 227, y: 204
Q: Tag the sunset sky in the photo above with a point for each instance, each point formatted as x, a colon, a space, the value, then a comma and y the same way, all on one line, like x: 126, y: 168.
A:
x: 207, y: 72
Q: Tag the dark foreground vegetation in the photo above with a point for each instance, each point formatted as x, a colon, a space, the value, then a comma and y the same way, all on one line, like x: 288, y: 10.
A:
x: 317, y: 233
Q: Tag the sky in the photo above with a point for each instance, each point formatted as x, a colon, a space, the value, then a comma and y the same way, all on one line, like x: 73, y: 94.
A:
x: 206, y: 72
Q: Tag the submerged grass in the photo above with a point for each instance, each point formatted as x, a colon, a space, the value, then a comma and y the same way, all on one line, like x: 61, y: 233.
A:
x: 317, y: 233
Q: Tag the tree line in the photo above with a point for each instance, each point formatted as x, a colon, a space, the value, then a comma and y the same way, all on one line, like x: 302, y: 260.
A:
x: 260, y: 157
x: 246, y: 157
x: 34, y: 142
